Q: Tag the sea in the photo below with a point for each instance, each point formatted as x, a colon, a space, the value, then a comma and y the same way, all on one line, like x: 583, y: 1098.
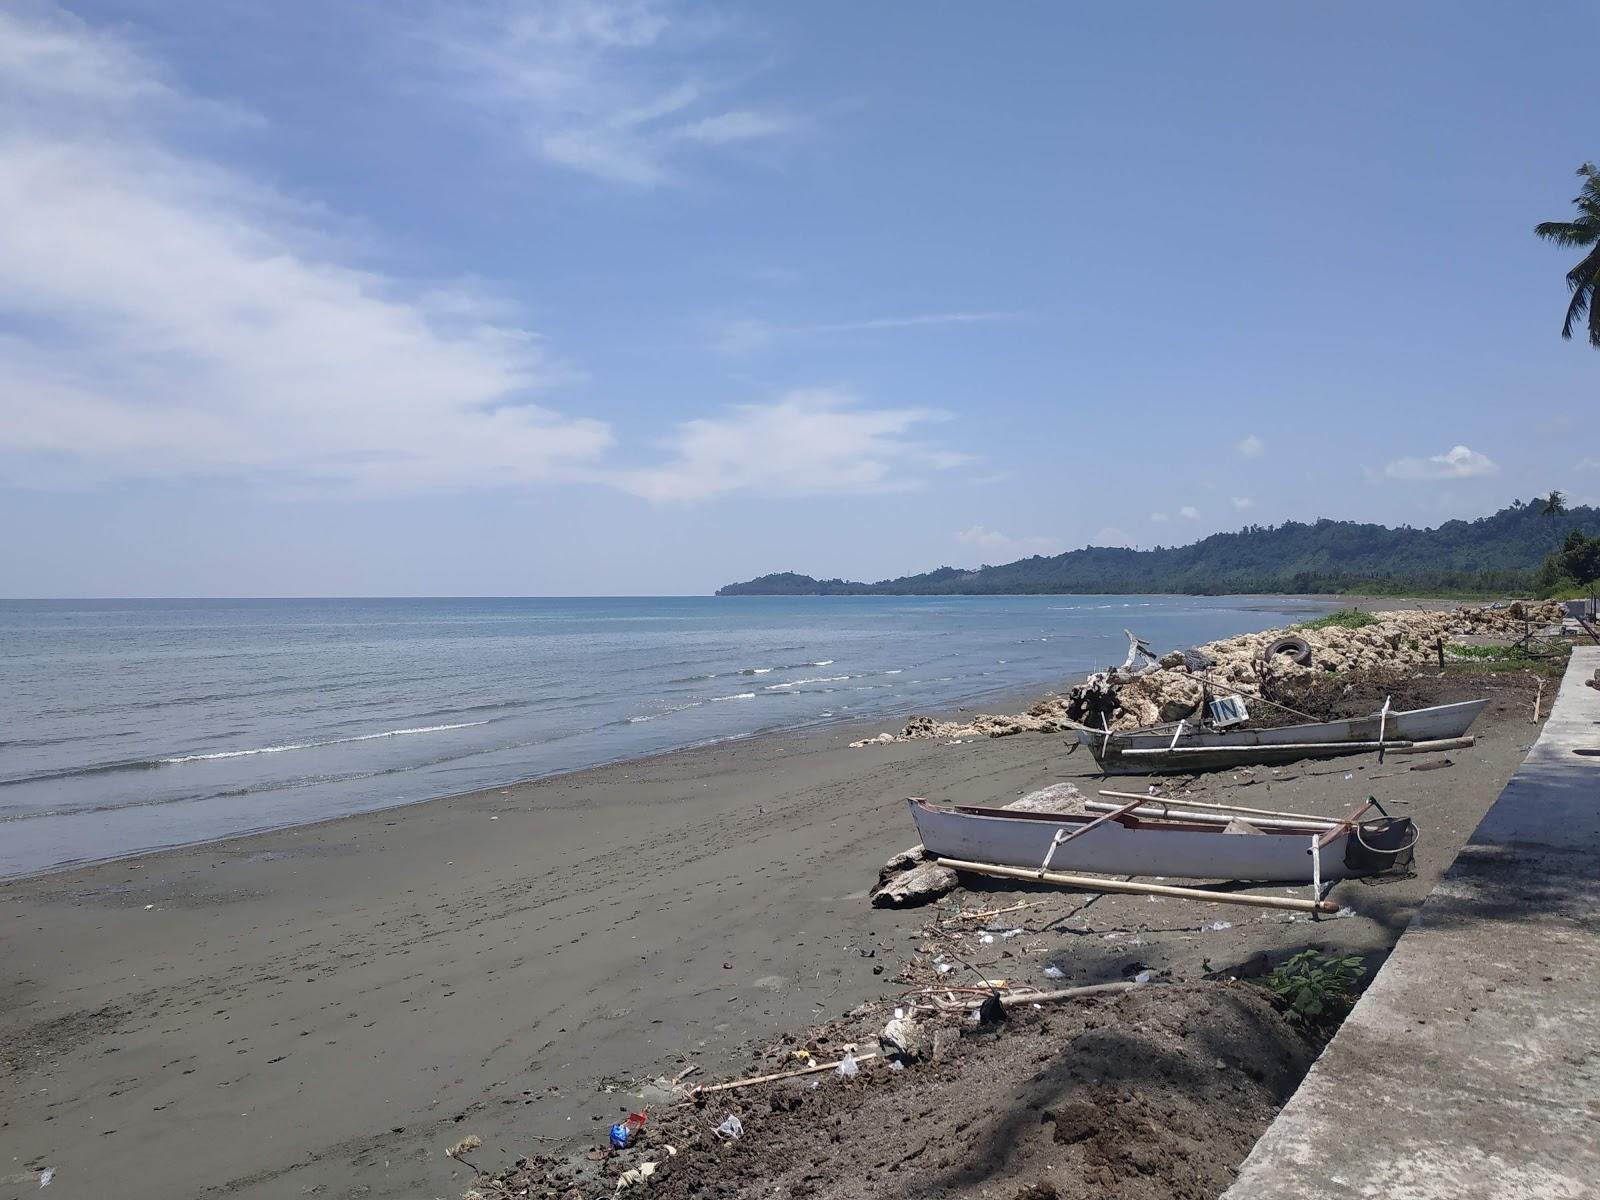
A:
x: 131, y: 725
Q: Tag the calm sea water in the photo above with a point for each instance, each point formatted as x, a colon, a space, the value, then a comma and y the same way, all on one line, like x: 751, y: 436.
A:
x: 130, y: 725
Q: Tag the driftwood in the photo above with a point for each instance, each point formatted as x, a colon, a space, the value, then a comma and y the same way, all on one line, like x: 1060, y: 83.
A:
x: 1093, y: 884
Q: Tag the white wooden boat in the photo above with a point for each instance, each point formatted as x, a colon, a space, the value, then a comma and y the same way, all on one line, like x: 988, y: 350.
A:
x: 1125, y: 844
x: 1181, y: 748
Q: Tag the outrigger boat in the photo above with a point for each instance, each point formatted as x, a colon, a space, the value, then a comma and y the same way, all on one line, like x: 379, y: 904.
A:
x: 1187, y: 747
x: 1135, y: 839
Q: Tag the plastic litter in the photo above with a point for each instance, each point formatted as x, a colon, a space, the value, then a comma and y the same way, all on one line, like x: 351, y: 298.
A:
x: 1054, y: 972
x: 896, y: 1065
x: 623, y: 1132
x: 642, y: 1172
x: 1220, y: 925
x: 731, y: 1128
x: 847, y: 1065
x: 46, y: 1175
x: 1142, y: 977
x: 987, y: 939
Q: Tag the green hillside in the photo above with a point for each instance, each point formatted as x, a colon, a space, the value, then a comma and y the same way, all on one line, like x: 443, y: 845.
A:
x: 1494, y: 554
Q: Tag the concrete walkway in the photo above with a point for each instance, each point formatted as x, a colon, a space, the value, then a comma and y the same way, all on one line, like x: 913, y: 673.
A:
x: 1471, y: 1067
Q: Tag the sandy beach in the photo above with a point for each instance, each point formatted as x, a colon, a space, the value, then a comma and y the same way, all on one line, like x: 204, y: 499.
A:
x: 322, y: 1010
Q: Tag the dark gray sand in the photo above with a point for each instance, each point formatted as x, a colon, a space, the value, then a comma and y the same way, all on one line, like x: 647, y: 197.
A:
x: 321, y: 1011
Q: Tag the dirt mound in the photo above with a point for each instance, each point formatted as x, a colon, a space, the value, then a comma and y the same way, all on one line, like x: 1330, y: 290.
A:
x: 1158, y: 1093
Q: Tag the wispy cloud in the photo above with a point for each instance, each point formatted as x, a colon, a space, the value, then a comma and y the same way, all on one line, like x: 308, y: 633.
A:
x: 1002, y: 546
x: 169, y: 316
x: 1160, y: 516
x: 1111, y: 535
x: 1250, y: 446
x: 1240, y: 503
x: 747, y: 336
x: 1189, y: 512
x: 1459, y: 462
x: 1588, y: 463
x: 602, y: 87
x: 807, y: 443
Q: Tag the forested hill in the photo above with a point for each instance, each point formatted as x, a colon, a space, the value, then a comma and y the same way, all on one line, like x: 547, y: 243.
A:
x: 1492, y: 554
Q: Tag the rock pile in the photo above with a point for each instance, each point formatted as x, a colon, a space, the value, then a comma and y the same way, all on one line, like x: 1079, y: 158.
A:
x: 1172, y: 689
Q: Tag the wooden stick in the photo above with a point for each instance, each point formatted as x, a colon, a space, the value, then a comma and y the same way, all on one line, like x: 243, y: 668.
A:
x: 1240, y: 808
x: 1460, y: 743
x: 1344, y: 826
x: 1072, y: 993
x: 1059, y: 841
x: 993, y: 912
x: 777, y: 1075
x: 1265, y: 824
x: 1089, y: 883
x: 1432, y: 766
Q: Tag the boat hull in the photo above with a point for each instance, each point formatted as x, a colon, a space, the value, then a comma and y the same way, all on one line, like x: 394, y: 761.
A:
x: 1123, y: 846
x: 1145, y: 752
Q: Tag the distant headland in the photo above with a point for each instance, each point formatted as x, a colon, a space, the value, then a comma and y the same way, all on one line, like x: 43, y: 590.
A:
x: 1516, y: 550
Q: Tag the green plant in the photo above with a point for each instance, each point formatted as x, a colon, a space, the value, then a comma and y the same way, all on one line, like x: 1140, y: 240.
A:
x: 1345, y: 618
x: 1314, y: 987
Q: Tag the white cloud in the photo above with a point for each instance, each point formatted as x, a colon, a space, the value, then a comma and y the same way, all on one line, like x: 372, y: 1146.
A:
x: 1189, y: 512
x: 169, y: 317
x: 1251, y: 446
x: 746, y: 336
x: 1240, y: 503
x: 1459, y: 462
x: 807, y: 443
x: 1003, y: 547
x: 1112, y: 536
x: 596, y: 86
x: 1160, y: 516
x: 739, y: 125
x: 1588, y: 463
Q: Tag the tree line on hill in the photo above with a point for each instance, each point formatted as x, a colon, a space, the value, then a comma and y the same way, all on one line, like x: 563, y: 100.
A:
x: 1542, y: 545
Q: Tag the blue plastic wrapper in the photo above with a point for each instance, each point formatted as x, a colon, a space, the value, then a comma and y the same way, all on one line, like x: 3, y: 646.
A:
x: 621, y: 1135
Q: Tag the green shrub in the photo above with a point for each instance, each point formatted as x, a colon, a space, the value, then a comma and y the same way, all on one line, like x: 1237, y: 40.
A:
x: 1315, y: 988
x: 1345, y: 618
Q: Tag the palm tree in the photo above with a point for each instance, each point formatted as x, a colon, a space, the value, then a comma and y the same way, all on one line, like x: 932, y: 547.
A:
x: 1554, y: 504
x: 1584, y: 278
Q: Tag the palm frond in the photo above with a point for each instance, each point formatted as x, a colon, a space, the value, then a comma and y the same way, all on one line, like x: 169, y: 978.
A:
x: 1568, y: 233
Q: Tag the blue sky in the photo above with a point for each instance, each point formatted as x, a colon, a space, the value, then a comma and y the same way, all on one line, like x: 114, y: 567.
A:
x: 543, y: 298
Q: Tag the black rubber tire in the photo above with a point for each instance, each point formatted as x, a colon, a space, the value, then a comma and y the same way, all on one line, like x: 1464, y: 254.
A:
x: 1298, y: 647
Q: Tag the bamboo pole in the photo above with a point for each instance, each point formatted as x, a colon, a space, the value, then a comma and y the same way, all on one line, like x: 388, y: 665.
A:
x: 1232, y: 808
x: 1090, y: 883
x: 1460, y: 743
x: 1265, y: 824
x: 777, y: 1075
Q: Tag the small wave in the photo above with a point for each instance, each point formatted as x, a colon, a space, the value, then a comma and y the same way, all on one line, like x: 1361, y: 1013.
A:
x: 896, y: 671
x: 757, y: 670
x: 365, y: 737
x: 826, y: 662
x: 735, y: 696
x: 773, y: 687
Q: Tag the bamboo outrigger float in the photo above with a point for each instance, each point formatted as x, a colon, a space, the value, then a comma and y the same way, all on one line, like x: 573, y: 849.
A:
x: 1189, y: 748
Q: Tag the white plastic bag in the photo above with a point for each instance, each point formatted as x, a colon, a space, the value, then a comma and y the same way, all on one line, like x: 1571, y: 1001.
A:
x: 732, y: 1128
x: 847, y: 1065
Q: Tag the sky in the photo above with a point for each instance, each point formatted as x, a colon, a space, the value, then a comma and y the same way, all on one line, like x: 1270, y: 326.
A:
x: 488, y: 297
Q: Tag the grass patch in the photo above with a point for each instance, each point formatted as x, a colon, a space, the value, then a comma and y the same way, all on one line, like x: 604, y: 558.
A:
x: 1345, y: 618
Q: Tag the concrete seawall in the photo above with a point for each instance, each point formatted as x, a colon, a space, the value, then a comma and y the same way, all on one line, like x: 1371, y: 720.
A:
x: 1471, y: 1067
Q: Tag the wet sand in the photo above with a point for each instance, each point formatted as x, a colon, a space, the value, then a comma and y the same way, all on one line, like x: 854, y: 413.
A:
x: 322, y: 1010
